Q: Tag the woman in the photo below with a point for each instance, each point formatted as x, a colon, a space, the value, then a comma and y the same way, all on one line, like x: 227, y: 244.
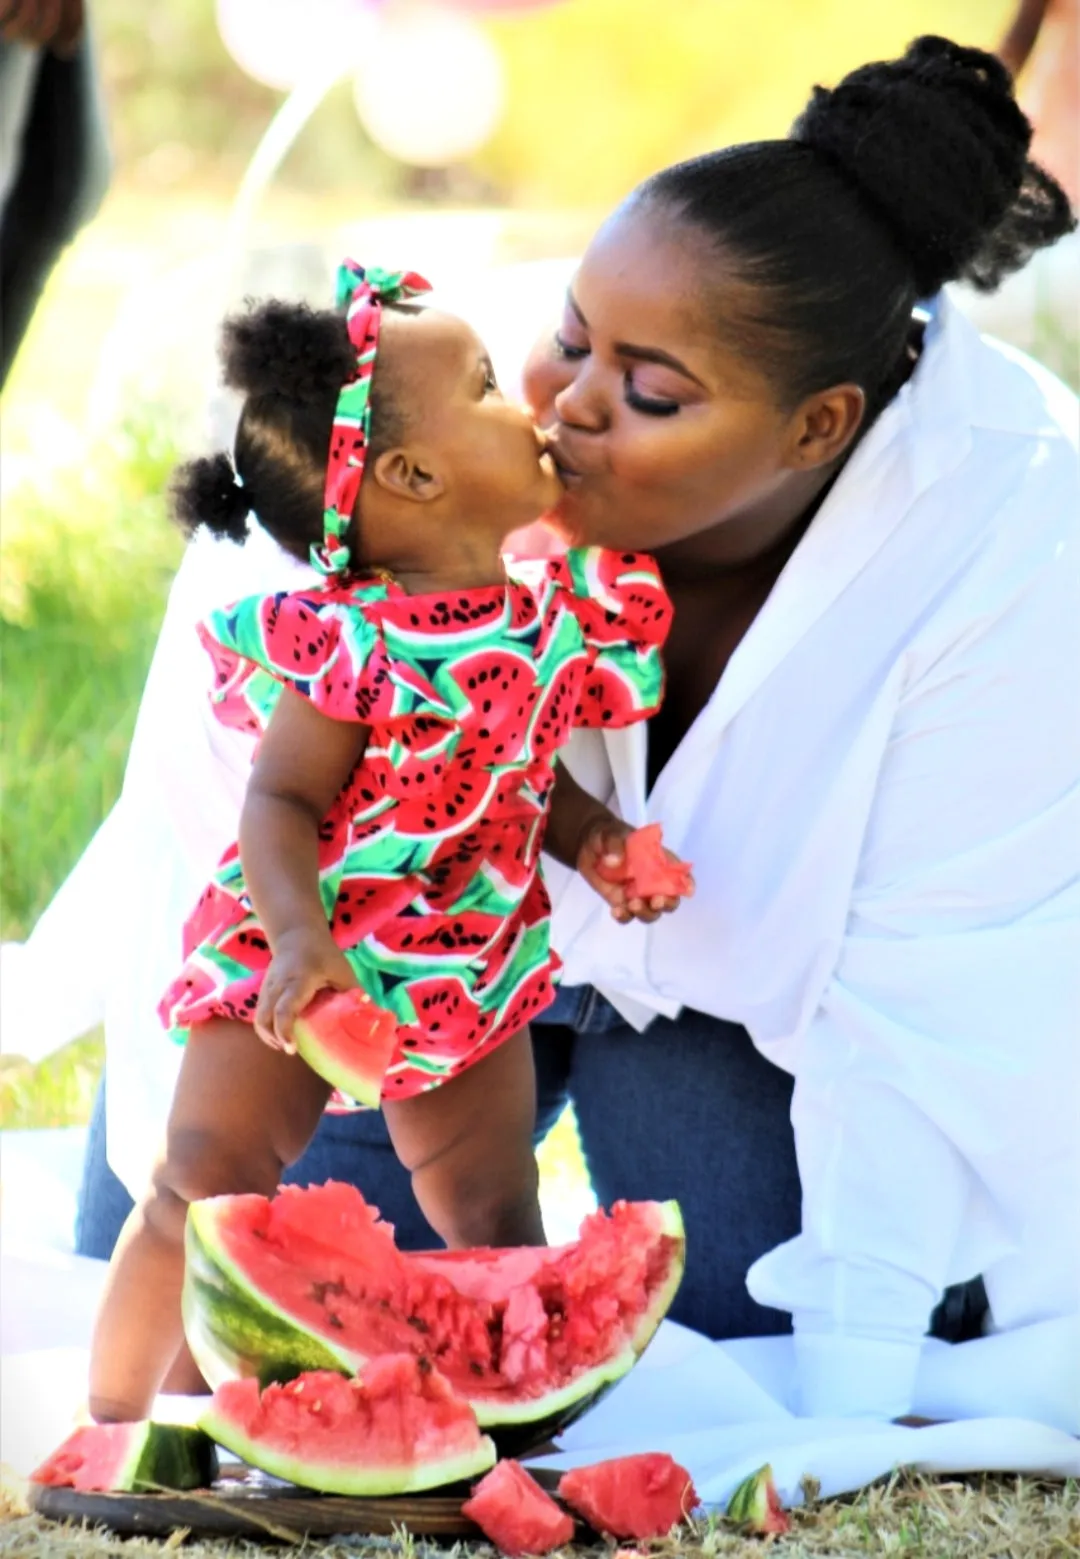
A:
x: 867, y: 518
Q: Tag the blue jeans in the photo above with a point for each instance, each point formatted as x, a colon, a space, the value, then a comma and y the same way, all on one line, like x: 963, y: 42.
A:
x: 689, y: 1109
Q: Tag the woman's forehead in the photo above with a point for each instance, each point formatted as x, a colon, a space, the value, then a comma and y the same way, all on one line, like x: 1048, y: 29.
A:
x: 639, y: 273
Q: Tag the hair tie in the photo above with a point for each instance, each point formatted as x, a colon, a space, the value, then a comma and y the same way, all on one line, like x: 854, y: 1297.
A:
x: 362, y: 293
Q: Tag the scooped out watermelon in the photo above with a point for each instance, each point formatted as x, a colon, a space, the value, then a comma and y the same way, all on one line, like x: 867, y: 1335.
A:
x: 398, y: 1429
x: 349, y: 1041
x: 756, y: 1505
x: 529, y: 1337
x: 137, y: 1457
x: 631, y: 1496
x: 647, y: 870
x: 517, y: 1515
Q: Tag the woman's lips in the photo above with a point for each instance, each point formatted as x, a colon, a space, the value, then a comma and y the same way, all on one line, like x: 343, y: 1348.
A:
x: 569, y: 475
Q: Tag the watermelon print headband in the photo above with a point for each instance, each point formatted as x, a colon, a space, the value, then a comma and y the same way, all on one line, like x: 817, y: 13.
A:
x: 361, y: 293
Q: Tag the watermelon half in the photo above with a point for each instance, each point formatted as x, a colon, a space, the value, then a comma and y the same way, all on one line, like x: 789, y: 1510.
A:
x: 397, y: 1430
x: 139, y: 1457
x: 311, y: 1279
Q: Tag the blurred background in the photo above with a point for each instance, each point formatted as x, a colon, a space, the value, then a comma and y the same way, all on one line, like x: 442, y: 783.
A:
x: 254, y: 141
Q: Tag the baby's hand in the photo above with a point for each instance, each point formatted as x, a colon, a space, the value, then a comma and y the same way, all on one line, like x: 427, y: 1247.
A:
x: 305, y: 962
x: 602, y: 861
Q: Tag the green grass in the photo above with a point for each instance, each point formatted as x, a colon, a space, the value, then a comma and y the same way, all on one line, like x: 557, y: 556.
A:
x: 85, y: 563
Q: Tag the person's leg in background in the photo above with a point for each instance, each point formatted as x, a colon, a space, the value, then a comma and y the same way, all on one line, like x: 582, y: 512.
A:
x: 56, y: 168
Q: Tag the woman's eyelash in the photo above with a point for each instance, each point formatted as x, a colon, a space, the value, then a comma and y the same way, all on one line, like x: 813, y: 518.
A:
x: 564, y: 349
x: 634, y: 399
x: 642, y: 403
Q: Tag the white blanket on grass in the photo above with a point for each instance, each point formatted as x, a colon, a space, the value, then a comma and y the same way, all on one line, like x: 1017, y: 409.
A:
x: 718, y: 1408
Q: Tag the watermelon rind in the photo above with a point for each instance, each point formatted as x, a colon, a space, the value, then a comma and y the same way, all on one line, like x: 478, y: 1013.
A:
x: 157, y: 1456
x: 349, y: 1479
x: 173, y: 1456
x: 233, y: 1332
x: 333, y: 1070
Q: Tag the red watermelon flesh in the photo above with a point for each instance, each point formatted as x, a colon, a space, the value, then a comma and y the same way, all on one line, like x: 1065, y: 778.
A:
x: 130, y: 1457
x: 631, y: 1496
x: 396, y: 1429
x: 348, y: 1040
x: 517, y: 1515
x: 647, y: 870
x: 312, y: 1279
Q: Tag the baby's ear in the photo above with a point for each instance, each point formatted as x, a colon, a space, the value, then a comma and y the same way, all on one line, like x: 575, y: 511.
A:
x: 408, y: 473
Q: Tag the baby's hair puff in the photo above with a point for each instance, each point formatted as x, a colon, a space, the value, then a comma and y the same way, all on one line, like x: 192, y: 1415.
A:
x: 288, y: 361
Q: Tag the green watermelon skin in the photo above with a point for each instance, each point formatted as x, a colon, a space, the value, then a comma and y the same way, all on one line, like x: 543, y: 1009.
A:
x: 137, y: 1458
x: 237, y: 1328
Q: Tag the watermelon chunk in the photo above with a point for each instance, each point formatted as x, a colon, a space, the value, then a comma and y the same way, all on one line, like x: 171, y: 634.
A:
x: 517, y: 1515
x: 397, y: 1429
x: 348, y: 1040
x: 311, y: 1279
x: 137, y: 1457
x: 631, y: 1496
x: 647, y: 870
x: 756, y: 1505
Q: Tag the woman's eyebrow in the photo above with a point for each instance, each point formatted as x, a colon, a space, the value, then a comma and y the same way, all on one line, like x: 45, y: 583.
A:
x: 640, y: 354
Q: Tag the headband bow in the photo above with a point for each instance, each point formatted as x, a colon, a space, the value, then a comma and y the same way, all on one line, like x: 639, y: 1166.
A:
x: 361, y: 293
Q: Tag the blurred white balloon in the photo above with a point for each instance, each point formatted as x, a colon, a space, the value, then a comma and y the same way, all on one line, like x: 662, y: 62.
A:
x: 429, y: 85
x: 283, y: 42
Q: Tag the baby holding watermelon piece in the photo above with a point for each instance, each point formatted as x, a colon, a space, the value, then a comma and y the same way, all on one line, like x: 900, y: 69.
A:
x: 409, y: 710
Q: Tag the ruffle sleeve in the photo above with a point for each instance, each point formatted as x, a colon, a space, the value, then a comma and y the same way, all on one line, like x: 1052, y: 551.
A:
x: 327, y: 648
x: 625, y: 616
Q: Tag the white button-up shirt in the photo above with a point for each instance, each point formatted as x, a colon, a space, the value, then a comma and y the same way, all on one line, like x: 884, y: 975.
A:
x: 882, y: 804
x: 881, y: 801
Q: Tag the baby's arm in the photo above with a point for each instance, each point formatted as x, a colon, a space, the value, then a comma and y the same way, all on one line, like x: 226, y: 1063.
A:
x: 303, y: 762
x: 586, y: 835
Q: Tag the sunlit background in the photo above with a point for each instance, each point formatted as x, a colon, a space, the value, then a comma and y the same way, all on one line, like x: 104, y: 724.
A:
x: 251, y: 139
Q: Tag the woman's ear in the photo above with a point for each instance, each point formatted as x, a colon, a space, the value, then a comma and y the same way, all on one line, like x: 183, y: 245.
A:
x: 408, y: 474
x: 824, y: 426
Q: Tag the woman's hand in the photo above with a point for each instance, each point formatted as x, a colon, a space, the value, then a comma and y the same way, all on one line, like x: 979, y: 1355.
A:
x: 601, y: 857
x: 305, y: 962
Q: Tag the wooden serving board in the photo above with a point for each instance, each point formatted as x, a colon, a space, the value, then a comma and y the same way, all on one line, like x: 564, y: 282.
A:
x: 246, y: 1503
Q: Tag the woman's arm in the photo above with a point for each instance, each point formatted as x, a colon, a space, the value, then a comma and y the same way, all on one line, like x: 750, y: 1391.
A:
x: 303, y: 762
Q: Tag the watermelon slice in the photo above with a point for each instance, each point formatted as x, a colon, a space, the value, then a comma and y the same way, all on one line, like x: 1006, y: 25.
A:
x: 648, y: 871
x: 529, y: 1337
x: 756, y: 1505
x: 517, y: 1515
x: 631, y: 1496
x: 348, y: 1040
x: 136, y: 1457
x: 398, y: 1429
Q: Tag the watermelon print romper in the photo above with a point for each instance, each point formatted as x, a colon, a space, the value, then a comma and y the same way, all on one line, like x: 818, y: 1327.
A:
x: 429, y: 857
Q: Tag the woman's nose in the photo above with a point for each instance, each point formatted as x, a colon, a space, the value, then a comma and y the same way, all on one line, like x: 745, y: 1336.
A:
x: 580, y: 404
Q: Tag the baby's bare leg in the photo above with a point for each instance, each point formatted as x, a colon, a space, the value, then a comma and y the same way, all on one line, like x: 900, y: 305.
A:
x: 241, y: 1113
x: 468, y: 1146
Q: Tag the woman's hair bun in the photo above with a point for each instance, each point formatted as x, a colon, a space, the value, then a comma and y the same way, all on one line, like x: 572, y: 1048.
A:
x: 287, y: 349
x: 936, y: 144
x: 206, y: 492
